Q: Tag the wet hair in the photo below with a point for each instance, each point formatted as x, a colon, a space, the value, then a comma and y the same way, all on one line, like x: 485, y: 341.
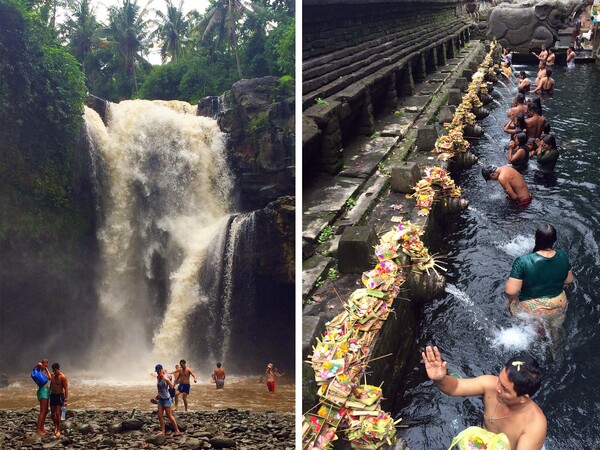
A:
x: 219, y: 365
x: 546, y: 128
x: 545, y: 237
x: 520, y: 122
x: 521, y: 90
x: 55, y: 366
x: 525, y: 373
x: 538, y: 103
x: 523, y: 74
x: 571, y: 47
x: 531, y: 141
x: 520, y: 98
x: 522, y: 139
x: 548, y: 72
x: 487, y: 171
x: 182, y: 362
x: 550, y: 140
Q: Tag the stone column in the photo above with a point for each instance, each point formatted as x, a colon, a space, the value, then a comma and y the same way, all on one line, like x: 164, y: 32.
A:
x: 366, y: 120
x: 330, y: 159
x: 431, y: 61
x: 405, y: 81
x: 441, y: 54
x: 391, y: 98
x: 420, y: 68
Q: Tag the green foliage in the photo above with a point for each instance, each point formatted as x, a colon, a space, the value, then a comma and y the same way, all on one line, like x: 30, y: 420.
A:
x: 325, y: 235
x: 319, y: 282
x: 41, y: 107
x: 258, y: 124
x: 333, y: 274
x: 163, y: 82
x: 320, y: 101
x: 280, y: 45
x: 351, y: 203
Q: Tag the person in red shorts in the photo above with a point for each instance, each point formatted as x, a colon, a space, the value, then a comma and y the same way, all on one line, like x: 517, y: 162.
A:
x: 270, y: 376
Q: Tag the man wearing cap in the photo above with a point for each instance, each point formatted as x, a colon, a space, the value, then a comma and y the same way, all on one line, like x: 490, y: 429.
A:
x: 270, y: 376
x: 511, y: 180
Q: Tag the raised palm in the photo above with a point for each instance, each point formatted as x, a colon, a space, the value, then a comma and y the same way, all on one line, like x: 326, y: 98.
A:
x: 435, y: 367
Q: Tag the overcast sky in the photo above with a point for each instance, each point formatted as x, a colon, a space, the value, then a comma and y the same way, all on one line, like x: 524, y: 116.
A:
x: 101, y: 8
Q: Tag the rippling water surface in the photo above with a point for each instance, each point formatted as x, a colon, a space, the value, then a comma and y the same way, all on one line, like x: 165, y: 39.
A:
x: 471, y: 325
x: 90, y: 391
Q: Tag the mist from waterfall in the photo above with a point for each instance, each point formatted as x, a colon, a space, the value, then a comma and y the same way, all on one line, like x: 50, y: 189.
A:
x: 164, y: 190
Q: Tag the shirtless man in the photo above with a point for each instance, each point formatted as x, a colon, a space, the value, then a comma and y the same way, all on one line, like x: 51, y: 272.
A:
x: 543, y: 54
x: 541, y: 73
x: 511, y: 180
x: 546, y: 85
x: 550, y: 59
x: 519, y: 107
x: 219, y: 376
x: 523, y: 82
x: 571, y: 57
x: 507, y: 404
x: 43, y: 395
x: 59, y: 395
x: 270, y: 375
x: 534, y: 123
x: 184, y: 383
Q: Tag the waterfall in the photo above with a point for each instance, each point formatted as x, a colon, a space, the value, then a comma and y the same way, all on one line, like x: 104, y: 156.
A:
x: 164, y: 193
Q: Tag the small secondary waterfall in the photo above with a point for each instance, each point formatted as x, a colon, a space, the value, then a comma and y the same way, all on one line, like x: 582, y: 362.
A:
x: 164, y: 193
x: 229, y: 288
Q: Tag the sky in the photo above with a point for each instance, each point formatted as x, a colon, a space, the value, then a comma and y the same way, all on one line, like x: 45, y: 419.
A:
x: 101, y: 8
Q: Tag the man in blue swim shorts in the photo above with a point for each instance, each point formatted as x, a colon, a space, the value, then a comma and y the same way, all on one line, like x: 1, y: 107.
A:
x: 184, y: 383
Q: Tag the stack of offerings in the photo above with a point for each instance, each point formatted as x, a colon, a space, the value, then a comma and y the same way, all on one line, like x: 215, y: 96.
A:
x: 341, y: 355
x: 425, y: 194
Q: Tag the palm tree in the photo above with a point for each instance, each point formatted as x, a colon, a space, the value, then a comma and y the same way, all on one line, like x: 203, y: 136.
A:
x: 223, y: 18
x: 127, y: 31
x: 172, y: 29
x: 80, y: 28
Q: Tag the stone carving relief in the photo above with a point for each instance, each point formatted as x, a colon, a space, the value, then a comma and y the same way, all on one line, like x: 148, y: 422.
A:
x: 527, y: 25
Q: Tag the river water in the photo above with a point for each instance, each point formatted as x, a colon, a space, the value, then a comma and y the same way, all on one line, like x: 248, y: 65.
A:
x: 470, y: 324
x: 91, y: 391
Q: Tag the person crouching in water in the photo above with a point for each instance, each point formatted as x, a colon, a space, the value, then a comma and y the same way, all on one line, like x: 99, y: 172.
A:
x: 537, y: 281
x: 547, y: 155
x: 163, y: 397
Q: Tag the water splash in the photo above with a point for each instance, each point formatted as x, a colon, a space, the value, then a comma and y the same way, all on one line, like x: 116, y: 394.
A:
x: 517, y: 246
x: 164, y: 189
x: 517, y: 337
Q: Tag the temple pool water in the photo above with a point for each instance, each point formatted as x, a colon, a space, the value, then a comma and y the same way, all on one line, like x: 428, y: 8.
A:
x: 471, y: 325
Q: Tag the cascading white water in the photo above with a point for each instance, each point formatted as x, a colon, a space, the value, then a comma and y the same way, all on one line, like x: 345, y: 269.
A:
x: 164, y: 194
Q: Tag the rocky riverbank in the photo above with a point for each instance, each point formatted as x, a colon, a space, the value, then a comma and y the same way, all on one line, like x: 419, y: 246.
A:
x: 91, y: 429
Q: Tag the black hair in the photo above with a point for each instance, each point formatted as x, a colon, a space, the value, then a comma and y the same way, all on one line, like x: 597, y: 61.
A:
x: 523, y: 74
x: 55, y: 366
x: 571, y: 47
x: 182, y: 361
x: 522, y: 139
x: 525, y: 373
x: 487, y: 171
x: 548, y: 72
x: 546, y: 128
x: 520, y: 98
x: 520, y: 118
x: 545, y: 237
x: 550, y: 140
x: 219, y: 365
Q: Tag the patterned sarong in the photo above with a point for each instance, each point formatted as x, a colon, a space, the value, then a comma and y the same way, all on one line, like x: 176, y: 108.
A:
x: 551, y: 309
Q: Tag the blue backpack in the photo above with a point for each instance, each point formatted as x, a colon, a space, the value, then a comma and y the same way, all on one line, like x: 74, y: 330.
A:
x: 38, y: 376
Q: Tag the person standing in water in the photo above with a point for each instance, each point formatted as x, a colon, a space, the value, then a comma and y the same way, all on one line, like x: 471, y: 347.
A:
x: 537, y: 280
x: 219, y: 376
x: 43, y: 396
x: 571, y: 58
x: 164, y: 399
x: 270, y: 375
x: 59, y: 396
x: 184, y: 383
x: 507, y: 404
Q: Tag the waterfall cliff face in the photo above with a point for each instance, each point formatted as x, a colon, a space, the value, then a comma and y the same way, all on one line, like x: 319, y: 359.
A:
x: 163, y: 193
